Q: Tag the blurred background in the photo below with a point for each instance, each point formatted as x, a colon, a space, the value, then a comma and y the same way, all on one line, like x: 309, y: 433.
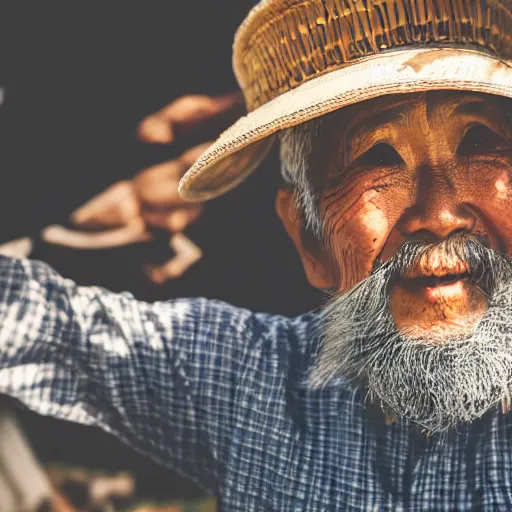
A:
x: 76, y: 80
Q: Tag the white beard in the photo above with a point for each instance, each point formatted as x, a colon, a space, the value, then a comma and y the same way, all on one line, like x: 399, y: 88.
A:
x: 436, y: 385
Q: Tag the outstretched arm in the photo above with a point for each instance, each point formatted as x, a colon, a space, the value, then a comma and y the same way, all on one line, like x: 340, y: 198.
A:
x: 160, y: 376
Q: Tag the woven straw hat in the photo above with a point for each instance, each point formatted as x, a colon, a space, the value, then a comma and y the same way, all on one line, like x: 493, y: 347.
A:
x: 299, y: 59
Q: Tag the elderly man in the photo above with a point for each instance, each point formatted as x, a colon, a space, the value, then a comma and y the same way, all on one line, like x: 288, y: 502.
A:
x: 395, y: 127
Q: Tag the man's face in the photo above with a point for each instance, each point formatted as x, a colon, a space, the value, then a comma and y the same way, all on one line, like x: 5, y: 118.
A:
x: 416, y: 167
x: 430, y: 170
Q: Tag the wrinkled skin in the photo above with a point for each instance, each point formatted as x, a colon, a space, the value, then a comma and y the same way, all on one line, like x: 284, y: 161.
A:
x: 411, y: 167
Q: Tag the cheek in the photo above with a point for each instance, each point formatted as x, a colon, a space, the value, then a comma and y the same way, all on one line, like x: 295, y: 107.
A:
x: 489, y: 191
x: 356, y: 236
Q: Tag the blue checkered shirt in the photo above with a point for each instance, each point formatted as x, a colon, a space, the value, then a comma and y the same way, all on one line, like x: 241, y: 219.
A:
x: 219, y: 394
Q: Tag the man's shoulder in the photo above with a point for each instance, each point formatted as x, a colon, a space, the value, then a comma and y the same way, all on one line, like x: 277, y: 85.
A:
x: 266, y: 335
x: 278, y: 344
x: 255, y: 328
x: 298, y: 333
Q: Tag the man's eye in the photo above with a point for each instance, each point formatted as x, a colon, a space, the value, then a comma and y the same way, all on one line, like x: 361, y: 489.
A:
x: 380, y: 155
x: 478, y: 140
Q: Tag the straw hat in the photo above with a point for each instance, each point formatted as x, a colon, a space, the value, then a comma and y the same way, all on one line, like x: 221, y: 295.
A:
x: 299, y: 59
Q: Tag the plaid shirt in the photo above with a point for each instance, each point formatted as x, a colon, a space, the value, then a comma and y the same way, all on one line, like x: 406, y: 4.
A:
x: 219, y: 394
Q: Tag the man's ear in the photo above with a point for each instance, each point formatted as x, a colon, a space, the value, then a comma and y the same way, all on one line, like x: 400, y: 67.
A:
x: 317, y: 267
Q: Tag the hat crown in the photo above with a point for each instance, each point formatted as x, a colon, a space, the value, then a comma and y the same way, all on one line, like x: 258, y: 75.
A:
x: 284, y: 43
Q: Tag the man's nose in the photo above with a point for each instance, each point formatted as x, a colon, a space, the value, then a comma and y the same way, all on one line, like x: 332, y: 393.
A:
x: 437, y: 212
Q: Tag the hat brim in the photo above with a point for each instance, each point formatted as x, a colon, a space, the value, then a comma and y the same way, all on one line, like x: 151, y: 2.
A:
x: 242, y: 147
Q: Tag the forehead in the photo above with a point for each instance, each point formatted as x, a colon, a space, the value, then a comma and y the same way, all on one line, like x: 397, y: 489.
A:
x: 400, y: 108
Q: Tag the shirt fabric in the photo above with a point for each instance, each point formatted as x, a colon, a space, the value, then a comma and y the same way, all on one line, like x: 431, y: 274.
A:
x: 220, y: 394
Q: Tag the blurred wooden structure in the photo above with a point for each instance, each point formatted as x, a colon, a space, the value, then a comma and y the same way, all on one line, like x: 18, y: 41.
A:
x: 24, y: 486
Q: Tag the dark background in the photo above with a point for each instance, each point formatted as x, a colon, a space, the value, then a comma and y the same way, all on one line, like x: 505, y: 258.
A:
x: 78, y: 78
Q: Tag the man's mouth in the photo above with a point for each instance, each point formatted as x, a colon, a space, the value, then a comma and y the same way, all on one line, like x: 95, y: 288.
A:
x: 440, y: 293
x: 445, y: 303
x: 433, y: 281
x: 437, y: 277
x: 442, y: 288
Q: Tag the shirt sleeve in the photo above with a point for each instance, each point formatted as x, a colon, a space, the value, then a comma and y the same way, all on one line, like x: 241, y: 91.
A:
x: 161, y: 376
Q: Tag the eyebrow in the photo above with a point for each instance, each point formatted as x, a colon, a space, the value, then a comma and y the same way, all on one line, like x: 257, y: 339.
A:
x: 367, y: 121
x: 473, y: 106
x: 480, y: 107
x: 381, y: 114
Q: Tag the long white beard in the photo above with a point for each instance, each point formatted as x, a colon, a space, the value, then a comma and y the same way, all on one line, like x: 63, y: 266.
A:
x: 436, y: 385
